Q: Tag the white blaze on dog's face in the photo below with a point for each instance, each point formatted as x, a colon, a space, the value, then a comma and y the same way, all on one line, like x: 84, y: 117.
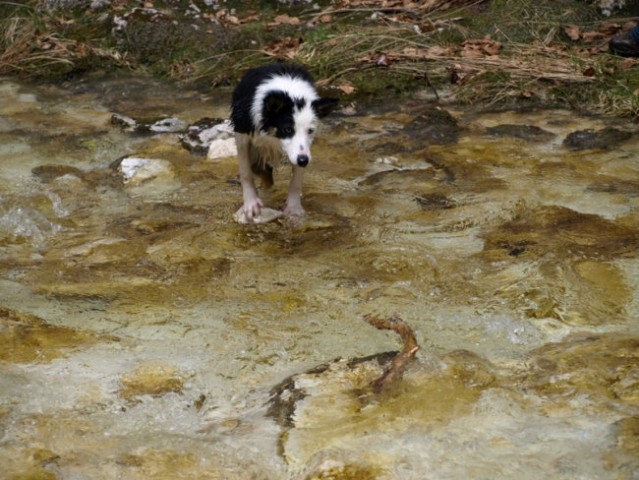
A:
x: 297, y: 139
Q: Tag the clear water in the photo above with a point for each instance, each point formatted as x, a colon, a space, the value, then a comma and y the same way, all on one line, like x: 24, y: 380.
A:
x: 145, y: 333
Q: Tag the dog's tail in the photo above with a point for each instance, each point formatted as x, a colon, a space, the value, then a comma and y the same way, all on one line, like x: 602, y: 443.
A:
x: 260, y: 165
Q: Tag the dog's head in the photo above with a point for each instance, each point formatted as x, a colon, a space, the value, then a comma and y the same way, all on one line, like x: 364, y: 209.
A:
x: 293, y: 120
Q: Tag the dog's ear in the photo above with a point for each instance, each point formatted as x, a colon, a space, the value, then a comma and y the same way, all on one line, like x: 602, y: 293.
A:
x: 274, y: 103
x: 323, y: 106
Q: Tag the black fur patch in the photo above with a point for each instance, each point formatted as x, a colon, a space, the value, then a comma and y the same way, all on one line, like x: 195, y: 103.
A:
x: 277, y: 114
x: 245, y: 92
x: 300, y: 103
x: 323, y: 106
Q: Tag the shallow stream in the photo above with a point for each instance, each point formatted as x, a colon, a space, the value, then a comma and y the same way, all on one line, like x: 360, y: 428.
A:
x: 146, y: 335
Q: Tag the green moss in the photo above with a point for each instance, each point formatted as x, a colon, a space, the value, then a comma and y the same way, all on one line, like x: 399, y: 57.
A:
x: 522, y: 21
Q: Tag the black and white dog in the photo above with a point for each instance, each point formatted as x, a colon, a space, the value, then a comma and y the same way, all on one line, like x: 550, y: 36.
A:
x: 274, y: 113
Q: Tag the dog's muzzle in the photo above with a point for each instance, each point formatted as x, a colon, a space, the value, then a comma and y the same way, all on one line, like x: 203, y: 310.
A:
x: 302, y: 160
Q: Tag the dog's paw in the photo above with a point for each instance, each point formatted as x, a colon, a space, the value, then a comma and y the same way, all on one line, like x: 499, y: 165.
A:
x: 252, y: 208
x: 266, y: 215
x: 294, y: 210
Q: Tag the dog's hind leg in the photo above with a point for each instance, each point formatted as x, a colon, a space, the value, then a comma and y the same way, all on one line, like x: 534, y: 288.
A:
x: 252, y: 203
x: 294, y: 199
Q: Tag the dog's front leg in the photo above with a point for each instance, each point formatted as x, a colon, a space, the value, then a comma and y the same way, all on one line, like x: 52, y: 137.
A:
x: 294, y: 199
x: 252, y: 203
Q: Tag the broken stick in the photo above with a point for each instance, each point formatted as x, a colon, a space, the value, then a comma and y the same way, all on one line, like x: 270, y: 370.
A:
x: 398, y: 364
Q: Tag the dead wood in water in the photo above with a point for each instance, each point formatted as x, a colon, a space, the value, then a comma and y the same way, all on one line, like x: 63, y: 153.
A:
x: 398, y: 364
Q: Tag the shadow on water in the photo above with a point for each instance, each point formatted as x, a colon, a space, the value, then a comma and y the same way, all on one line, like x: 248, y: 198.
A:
x: 147, y: 335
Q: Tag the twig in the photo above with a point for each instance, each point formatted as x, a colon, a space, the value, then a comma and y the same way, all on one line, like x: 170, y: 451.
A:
x: 398, y: 364
x: 430, y: 84
x: 327, y: 81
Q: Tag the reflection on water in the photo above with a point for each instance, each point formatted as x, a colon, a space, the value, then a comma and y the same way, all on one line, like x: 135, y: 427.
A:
x: 146, y: 335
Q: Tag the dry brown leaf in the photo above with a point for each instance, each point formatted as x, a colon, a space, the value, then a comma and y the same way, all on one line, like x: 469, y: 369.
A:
x: 481, y: 47
x: 471, y: 50
x: 492, y: 48
x: 609, y: 28
x: 252, y: 17
x: 284, y: 19
x: 589, y: 71
x: 573, y: 32
x: 283, y: 48
x: 628, y: 63
x: 439, y: 51
x: 347, y: 88
x: 326, y: 18
x: 225, y: 18
x: 592, y: 36
x: 231, y: 20
x: 460, y: 74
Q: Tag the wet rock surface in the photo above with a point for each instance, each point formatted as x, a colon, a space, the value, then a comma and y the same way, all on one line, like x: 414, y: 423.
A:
x: 198, y: 136
x: 148, y: 335
x: 162, y: 125
x: 27, y: 338
x: 151, y: 379
x: 530, y: 133
x: 604, y: 138
x: 433, y: 126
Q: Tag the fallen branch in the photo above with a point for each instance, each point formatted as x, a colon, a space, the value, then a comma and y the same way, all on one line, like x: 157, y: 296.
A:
x: 398, y: 364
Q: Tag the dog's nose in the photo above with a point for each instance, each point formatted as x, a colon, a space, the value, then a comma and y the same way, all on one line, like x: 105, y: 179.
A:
x: 302, y: 160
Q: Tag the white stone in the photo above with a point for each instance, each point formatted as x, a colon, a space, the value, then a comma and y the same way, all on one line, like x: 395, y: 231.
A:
x: 266, y: 215
x: 221, y: 148
x: 137, y: 170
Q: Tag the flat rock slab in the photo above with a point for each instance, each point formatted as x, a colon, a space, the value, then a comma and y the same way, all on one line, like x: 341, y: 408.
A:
x: 606, y: 138
x: 529, y: 133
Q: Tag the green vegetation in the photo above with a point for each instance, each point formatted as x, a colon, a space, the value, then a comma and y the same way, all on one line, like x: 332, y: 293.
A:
x: 495, y: 53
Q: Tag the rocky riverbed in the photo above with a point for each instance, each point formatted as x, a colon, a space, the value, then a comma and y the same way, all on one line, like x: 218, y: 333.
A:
x: 146, y: 335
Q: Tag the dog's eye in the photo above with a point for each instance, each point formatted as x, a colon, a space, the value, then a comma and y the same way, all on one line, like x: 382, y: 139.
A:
x: 287, y: 131
x: 311, y: 131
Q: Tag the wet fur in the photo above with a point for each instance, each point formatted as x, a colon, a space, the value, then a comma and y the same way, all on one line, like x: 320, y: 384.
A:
x: 274, y: 114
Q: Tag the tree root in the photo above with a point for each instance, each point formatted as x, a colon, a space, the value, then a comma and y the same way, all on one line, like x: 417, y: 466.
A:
x: 397, y: 366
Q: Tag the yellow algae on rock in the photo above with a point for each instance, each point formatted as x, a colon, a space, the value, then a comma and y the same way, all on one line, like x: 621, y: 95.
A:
x: 151, y: 379
x: 27, y: 338
x: 603, y: 368
x: 329, y: 407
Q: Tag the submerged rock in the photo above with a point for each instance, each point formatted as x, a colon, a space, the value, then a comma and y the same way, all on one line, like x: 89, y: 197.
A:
x: 434, y: 201
x: 210, y: 136
x: 48, y: 173
x: 167, y: 125
x: 622, y: 187
x: 222, y: 148
x: 266, y: 215
x: 400, y: 177
x: 27, y: 338
x: 562, y: 231
x: 606, y: 138
x: 587, y: 368
x: 529, y: 133
x: 161, y: 125
x: 434, y: 126
x: 331, y: 405
x: 137, y: 170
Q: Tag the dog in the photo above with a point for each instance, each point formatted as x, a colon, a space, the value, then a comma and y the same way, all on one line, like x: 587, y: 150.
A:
x: 274, y: 113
